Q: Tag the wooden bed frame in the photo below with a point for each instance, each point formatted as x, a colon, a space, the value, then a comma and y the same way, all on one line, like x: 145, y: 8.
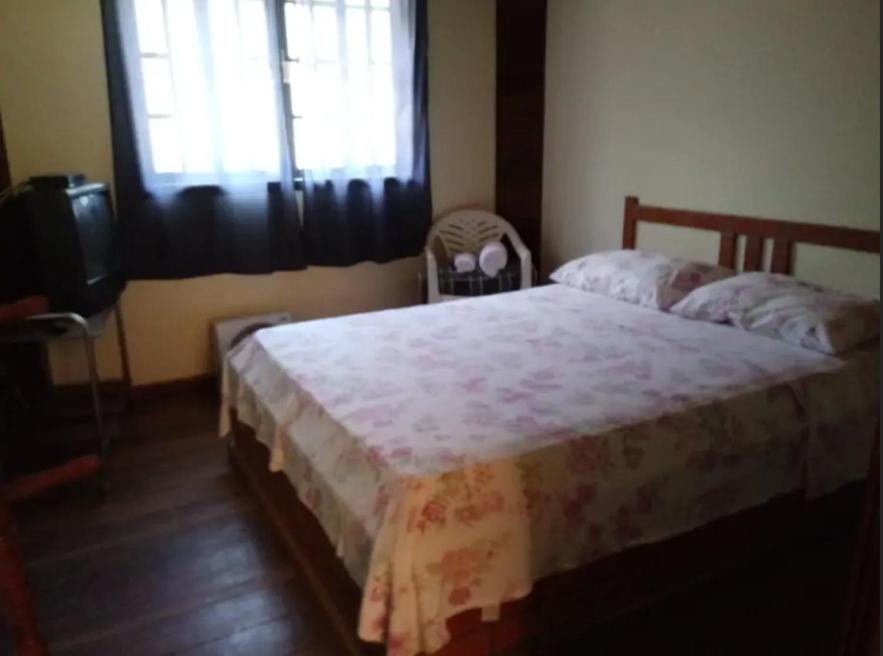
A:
x: 618, y: 583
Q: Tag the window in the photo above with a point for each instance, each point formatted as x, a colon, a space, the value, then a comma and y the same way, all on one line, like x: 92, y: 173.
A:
x: 339, y: 83
x: 207, y: 97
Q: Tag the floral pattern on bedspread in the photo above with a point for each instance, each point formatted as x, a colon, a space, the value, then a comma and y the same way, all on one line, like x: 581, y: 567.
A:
x: 456, y: 453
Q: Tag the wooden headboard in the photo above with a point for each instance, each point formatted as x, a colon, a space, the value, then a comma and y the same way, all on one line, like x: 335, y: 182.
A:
x: 784, y: 234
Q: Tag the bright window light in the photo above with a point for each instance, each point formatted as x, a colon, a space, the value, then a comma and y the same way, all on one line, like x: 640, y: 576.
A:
x: 340, y: 76
x: 208, y: 97
x: 207, y: 86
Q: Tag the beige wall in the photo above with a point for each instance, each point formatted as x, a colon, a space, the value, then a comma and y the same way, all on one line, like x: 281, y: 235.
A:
x: 760, y: 107
x: 462, y: 101
x: 53, y: 100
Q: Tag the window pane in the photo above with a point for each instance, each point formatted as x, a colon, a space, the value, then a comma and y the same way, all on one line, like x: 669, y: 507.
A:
x: 185, y: 39
x: 382, y: 96
x: 327, y: 119
x: 356, y: 38
x: 151, y: 26
x: 360, y: 123
x: 298, y: 30
x: 259, y: 130
x: 243, y: 98
x: 230, y: 98
x: 359, y: 115
x: 164, y: 145
x: 193, y: 105
x: 197, y: 150
x: 344, y: 111
x: 300, y: 88
x: 381, y: 39
x: 253, y: 27
x: 158, y: 90
x: 325, y: 33
x: 383, y: 117
x: 303, y: 144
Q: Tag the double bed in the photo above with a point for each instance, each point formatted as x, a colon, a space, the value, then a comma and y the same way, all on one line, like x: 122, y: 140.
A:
x: 440, y: 471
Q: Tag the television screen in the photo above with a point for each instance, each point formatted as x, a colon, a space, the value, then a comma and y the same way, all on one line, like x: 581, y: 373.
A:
x: 95, y: 228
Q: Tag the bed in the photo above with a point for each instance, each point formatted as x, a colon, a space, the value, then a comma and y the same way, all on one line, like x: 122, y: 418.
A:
x: 443, y: 472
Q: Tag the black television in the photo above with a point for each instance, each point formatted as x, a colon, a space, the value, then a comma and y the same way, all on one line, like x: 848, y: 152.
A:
x: 60, y: 240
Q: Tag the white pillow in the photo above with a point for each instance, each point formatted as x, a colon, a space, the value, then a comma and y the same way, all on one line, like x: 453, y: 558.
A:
x: 785, y: 308
x: 647, y: 279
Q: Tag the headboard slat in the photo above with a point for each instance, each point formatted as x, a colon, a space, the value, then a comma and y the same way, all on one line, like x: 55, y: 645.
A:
x: 781, y: 262
x: 753, y: 260
x: 630, y: 224
x: 726, y: 256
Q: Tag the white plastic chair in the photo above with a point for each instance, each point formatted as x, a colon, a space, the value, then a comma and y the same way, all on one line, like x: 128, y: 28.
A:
x: 466, y: 231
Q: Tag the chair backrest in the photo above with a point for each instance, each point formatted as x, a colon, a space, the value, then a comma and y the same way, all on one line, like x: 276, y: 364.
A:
x: 466, y: 231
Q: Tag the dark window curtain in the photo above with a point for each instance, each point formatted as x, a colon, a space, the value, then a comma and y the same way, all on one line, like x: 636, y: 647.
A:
x: 379, y: 216
x: 216, y: 223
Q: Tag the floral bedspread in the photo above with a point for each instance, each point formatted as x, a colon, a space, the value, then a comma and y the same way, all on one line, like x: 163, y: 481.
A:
x: 456, y: 453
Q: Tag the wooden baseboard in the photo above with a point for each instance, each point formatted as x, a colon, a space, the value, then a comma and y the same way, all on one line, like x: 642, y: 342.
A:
x: 205, y: 383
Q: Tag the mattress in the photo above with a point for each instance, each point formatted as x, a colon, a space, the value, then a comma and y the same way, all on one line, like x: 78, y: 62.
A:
x: 456, y: 453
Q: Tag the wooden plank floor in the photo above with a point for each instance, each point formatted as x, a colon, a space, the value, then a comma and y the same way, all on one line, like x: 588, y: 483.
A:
x: 179, y: 560
x: 176, y: 560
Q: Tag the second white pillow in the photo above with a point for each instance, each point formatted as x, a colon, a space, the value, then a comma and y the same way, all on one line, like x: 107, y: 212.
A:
x: 788, y: 309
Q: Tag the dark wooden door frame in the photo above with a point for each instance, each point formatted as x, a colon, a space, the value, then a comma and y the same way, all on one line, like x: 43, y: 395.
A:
x: 521, y: 68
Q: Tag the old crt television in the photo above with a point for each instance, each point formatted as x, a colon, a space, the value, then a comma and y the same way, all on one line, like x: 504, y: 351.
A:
x: 67, y: 246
